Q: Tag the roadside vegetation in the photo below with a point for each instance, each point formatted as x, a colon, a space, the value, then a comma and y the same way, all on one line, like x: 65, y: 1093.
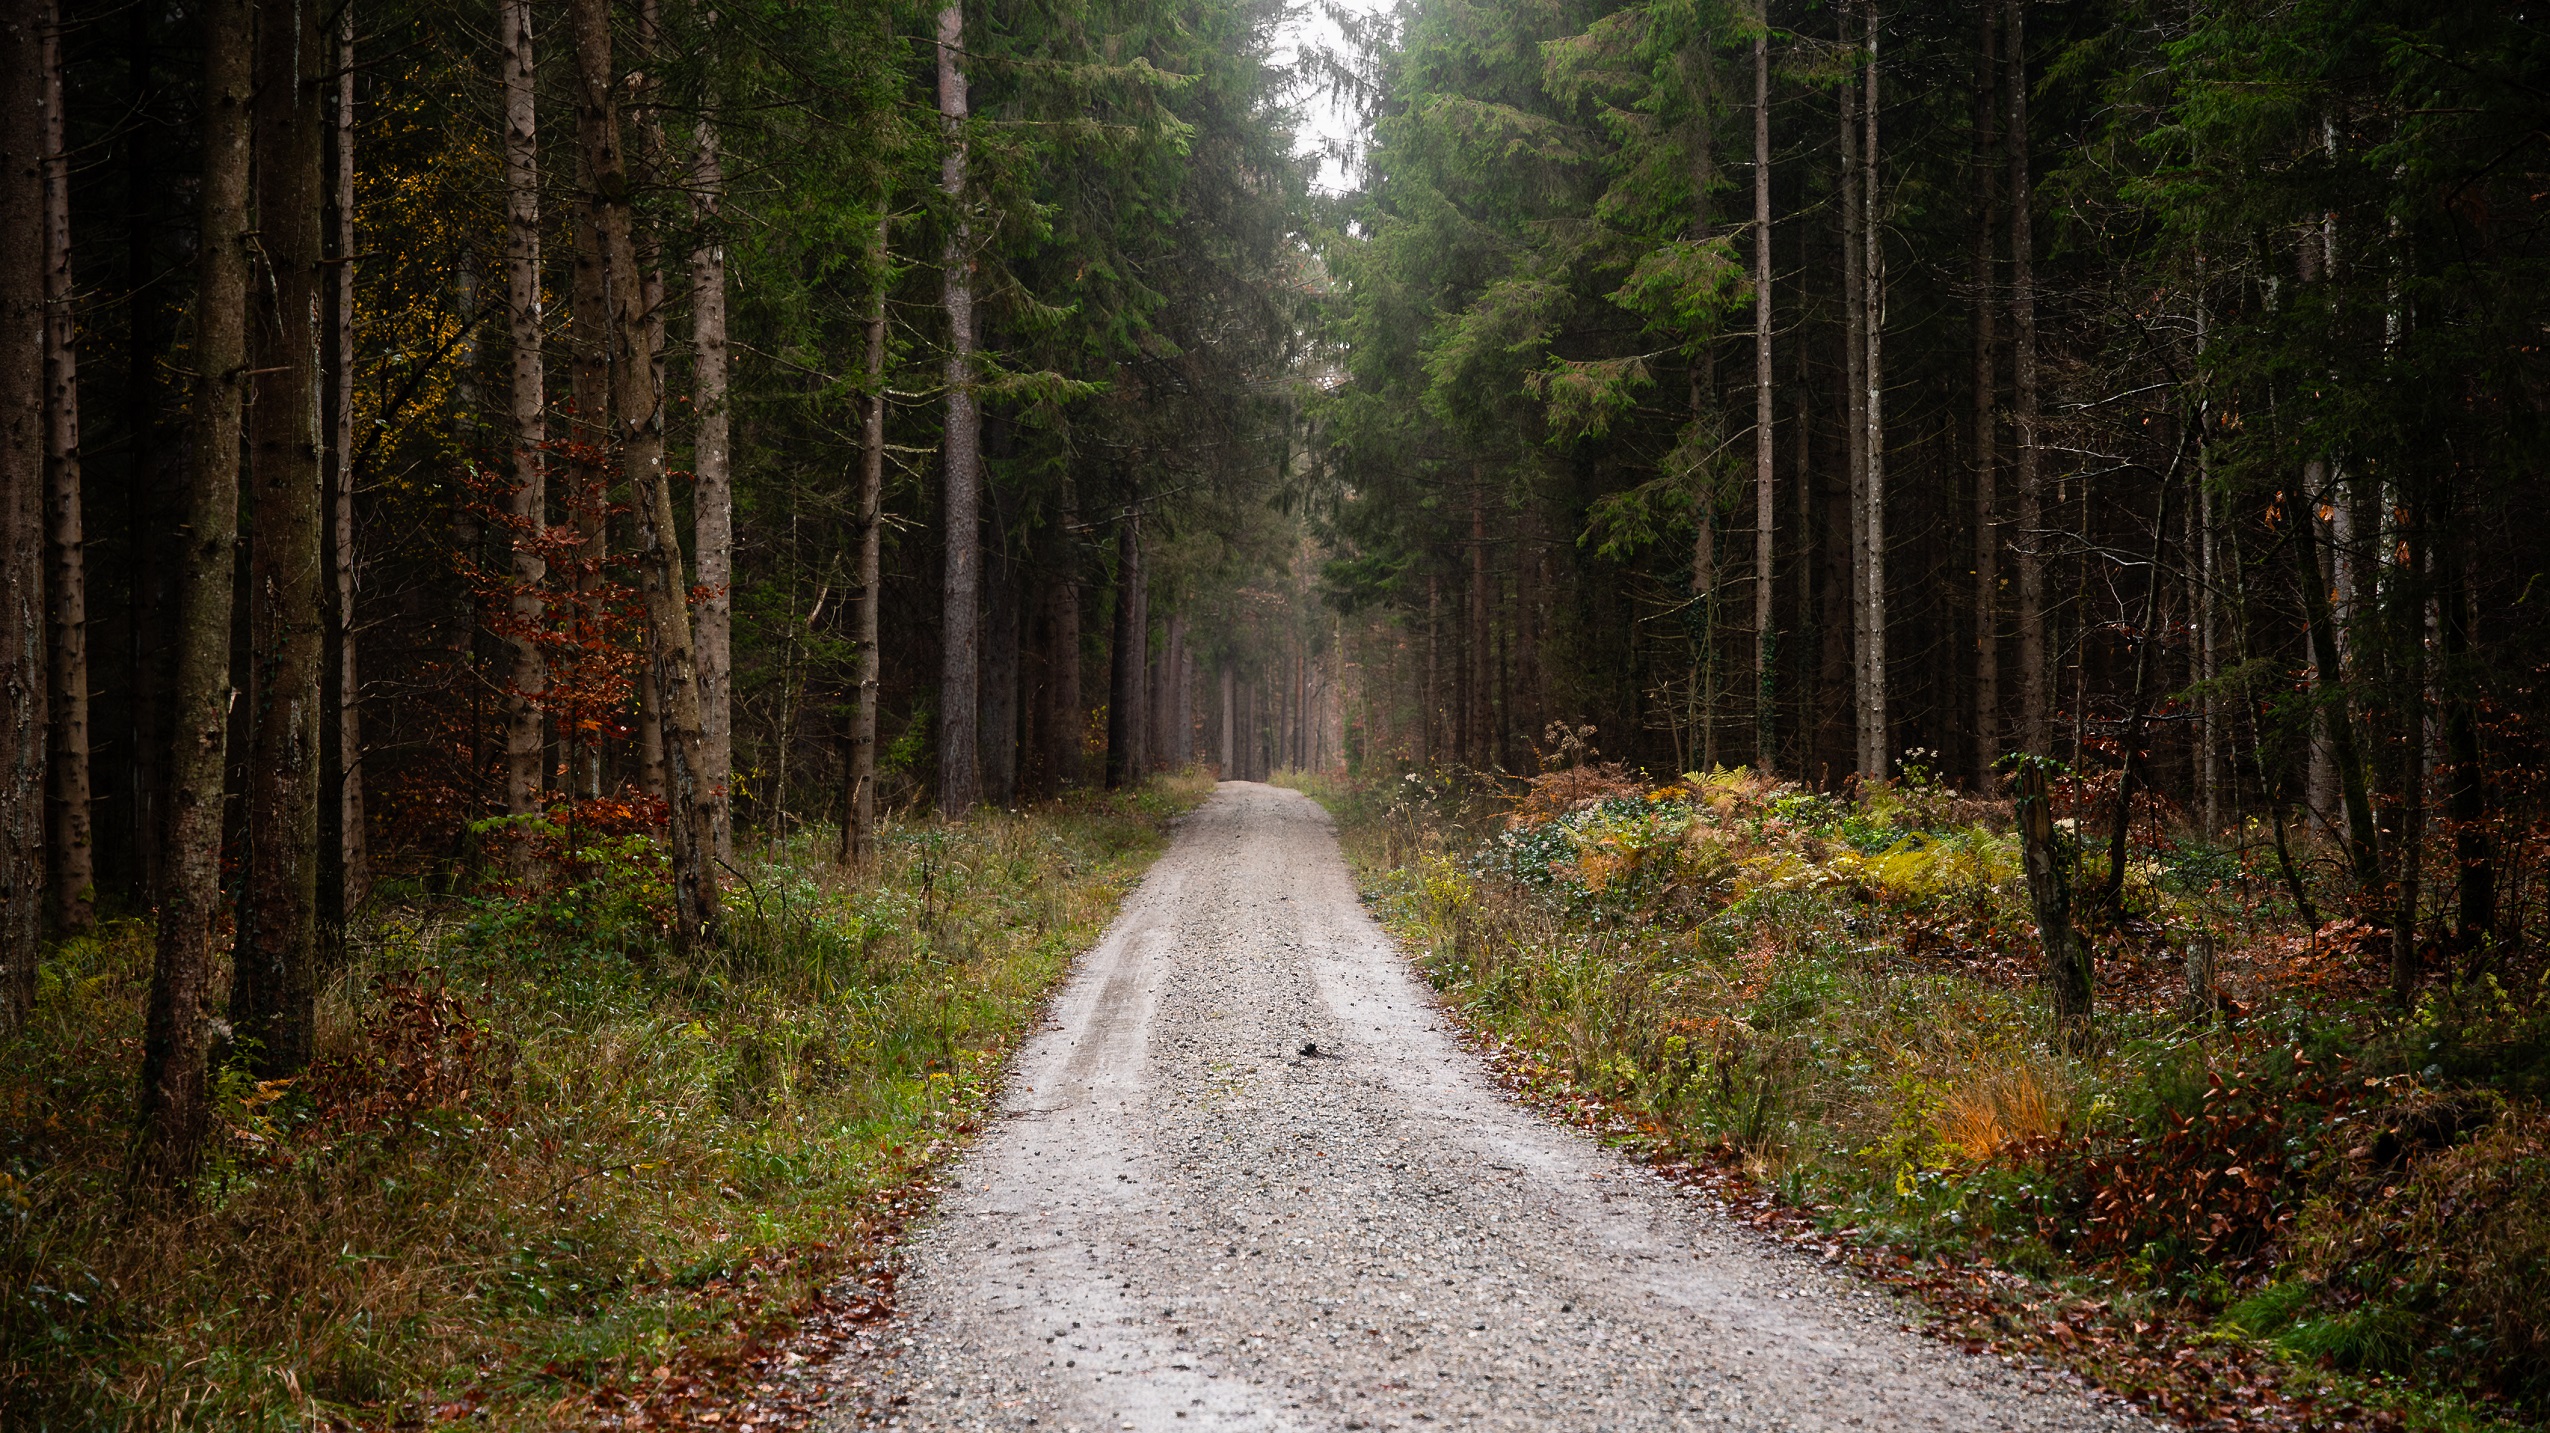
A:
x: 2262, y: 1195
x: 539, y: 1169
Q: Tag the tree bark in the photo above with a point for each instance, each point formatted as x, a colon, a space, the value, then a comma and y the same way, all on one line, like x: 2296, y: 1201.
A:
x: 1169, y: 740
x: 1987, y: 444
x: 961, y: 509
x: 2476, y: 919
x: 2412, y: 675
x: 2208, y: 637
x: 2036, y: 730
x: 638, y: 425
x: 1875, y: 734
x: 1125, y: 677
x: 713, y: 497
x: 588, y: 451
x: 996, y: 736
x: 1854, y: 223
x: 177, y: 1032
x: 1765, y: 502
x: 22, y: 525
x: 859, y: 831
x: 650, y: 719
x: 1528, y: 615
x: 2320, y: 799
x: 1066, y: 724
x: 71, y: 857
x: 2328, y: 681
x: 1181, y: 696
x: 1481, y: 750
x: 274, y: 988
x: 1429, y: 723
x: 655, y: 760
x: 529, y: 504
x: 345, y: 849
x: 152, y: 480
x: 1230, y: 697
x: 2066, y: 969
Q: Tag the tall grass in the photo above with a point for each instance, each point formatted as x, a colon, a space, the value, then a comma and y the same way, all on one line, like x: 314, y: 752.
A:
x: 537, y: 1157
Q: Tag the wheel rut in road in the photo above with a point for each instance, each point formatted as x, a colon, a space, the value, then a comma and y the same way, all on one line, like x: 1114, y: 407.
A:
x: 1179, y: 1220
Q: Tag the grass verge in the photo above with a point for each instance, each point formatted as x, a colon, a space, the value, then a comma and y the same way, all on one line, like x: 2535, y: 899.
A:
x: 541, y: 1174
x: 2263, y: 1200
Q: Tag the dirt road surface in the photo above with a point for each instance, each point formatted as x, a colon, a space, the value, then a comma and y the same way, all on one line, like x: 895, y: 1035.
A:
x: 1179, y: 1220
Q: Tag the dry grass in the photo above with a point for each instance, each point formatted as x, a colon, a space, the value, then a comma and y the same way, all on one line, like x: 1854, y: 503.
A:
x: 529, y: 1167
x: 1997, y: 1105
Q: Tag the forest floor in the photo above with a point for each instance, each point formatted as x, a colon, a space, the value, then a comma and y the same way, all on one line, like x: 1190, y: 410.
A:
x: 2257, y: 1193
x: 1247, y: 1176
x: 543, y: 1173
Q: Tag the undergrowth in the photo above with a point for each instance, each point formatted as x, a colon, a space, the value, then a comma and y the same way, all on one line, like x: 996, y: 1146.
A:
x: 537, y: 1159
x: 1838, y: 995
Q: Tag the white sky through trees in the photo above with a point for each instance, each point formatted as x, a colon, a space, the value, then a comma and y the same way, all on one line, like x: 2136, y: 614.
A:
x: 1329, y: 121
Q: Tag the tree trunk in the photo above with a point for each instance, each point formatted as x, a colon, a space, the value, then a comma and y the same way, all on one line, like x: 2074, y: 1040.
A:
x: 2066, y: 971
x: 1528, y: 615
x: 1155, y: 704
x: 650, y: 717
x: 996, y: 738
x: 1160, y: 729
x: 2208, y: 630
x: 1182, y: 696
x: 1126, y: 665
x: 2036, y: 730
x: 1765, y: 502
x: 2329, y: 692
x: 713, y: 497
x: 1704, y: 602
x: 1429, y: 724
x: 2412, y: 643
x: 529, y: 505
x: 859, y: 831
x: 2476, y: 919
x: 22, y: 505
x: 588, y: 449
x: 962, y: 508
x: 654, y: 761
x: 1481, y: 752
x: 345, y: 850
x: 1854, y: 222
x: 71, y: 857
x: 177, y: 1035
x: 274, y: 991
x: 654, y: 771
x: 1802, y: 479
x: 638, y: 424
x: 2336, y: 536
x: 1876, y: 745
x: 1230, y: 694
x: 2130, y: 759
x: 1066, y: 723
x: 152, y: 482
x: 1987, y: 498
x: 1174, y: 734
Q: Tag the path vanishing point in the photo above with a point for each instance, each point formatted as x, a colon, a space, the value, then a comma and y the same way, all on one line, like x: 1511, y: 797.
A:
x: 1178, y: 1220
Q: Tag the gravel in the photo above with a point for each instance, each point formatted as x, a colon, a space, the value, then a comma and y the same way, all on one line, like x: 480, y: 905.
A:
x: 1179, y: 1219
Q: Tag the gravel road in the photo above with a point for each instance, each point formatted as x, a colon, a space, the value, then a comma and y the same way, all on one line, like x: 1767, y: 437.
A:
x: 1180, y: 1220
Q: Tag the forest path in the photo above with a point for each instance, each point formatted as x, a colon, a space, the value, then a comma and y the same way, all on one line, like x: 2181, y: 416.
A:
x: 1179, y: 1220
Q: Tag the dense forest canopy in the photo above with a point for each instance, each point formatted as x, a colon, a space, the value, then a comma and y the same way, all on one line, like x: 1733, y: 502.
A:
x: 1863, y: 389
x: 435, y: 436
